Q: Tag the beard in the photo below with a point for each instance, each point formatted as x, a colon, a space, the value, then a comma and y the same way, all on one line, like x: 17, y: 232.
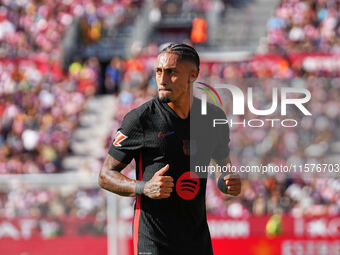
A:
x: 164, y: 100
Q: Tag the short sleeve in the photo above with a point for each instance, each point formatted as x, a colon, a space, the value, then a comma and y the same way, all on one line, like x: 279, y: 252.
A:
x: 128, y: 139
x: 221, y: 149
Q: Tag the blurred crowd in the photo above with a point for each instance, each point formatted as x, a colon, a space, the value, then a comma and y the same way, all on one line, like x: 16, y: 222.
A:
x: 183, y: 7
x: 313, y: 140
x: 68, y: 210
x: 266, y: 196
x: 305, y: 25
x: 39, y: 110
x: 37, y: 26
x: 37, y: 202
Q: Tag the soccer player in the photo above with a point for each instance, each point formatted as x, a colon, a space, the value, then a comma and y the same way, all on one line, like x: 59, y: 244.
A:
x: 170, y: 212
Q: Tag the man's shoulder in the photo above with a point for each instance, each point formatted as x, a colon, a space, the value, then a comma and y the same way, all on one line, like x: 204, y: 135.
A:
x: 143, y: 110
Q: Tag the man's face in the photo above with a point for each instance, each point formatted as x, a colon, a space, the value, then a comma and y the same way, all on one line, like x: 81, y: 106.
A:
x: 172, y: 77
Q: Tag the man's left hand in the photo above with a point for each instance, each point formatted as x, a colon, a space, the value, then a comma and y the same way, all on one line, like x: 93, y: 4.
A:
x: 233, y: 182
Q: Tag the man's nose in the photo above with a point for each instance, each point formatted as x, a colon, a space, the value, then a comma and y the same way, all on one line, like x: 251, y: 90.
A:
x: 163, y: 80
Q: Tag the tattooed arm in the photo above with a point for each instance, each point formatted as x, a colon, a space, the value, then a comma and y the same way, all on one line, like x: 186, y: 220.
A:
x: 112, y: 180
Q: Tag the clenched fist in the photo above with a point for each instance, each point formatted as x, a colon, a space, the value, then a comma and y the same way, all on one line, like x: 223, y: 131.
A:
x: 233, y: 184
x: 159, y: 186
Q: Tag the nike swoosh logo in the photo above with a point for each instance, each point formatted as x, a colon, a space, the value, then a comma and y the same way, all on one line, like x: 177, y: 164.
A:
x: 161, y: 135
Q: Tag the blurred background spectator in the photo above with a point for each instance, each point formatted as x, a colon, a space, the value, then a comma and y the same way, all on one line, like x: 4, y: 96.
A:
x: 300, y: 26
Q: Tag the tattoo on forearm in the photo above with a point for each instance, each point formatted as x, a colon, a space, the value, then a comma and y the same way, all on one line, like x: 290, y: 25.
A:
x: 112, y: 180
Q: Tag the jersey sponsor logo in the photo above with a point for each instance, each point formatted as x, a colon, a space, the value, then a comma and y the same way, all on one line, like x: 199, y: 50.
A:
x: 119, y: 138
x: 188, y: 185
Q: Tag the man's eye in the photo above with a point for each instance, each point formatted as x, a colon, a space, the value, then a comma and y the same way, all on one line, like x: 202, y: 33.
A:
x: 158, y: 72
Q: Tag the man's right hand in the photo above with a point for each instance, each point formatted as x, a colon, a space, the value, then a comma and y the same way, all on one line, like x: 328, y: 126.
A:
x: 159, y: 186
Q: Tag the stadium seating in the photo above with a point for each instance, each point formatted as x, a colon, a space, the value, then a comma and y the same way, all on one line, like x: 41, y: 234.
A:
x: 304, y: 26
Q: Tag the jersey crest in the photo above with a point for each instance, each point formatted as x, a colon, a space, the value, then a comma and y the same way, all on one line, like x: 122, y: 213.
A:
x: 119, y: 138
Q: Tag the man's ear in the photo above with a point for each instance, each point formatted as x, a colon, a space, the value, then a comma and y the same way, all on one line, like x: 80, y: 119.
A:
x: 193, y: 77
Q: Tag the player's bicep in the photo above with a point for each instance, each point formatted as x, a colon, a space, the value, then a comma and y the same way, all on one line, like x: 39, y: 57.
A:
x: 111, y: 179
x: 112, y: 164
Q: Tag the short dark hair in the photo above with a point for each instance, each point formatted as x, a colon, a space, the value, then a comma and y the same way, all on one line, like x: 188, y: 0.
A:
x: 184, y: 52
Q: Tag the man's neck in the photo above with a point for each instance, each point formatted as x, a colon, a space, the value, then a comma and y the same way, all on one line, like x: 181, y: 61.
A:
x: 182, y: 106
